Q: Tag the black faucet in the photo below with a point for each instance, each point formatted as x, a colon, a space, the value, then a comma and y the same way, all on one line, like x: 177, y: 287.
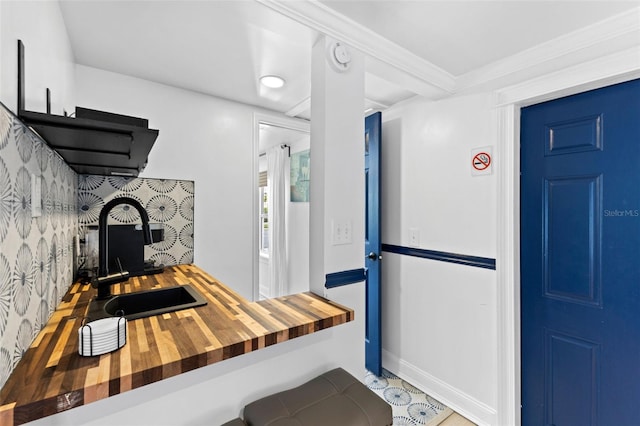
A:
x: 104, y: 281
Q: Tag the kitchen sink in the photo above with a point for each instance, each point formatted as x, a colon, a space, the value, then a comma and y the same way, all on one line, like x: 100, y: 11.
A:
x: 147, y: 303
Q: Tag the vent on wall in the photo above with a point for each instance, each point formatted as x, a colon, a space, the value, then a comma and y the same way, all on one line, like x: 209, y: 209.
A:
x: 94, y: 142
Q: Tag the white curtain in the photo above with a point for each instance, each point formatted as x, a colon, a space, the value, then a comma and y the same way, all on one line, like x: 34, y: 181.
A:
x: 277, y: 205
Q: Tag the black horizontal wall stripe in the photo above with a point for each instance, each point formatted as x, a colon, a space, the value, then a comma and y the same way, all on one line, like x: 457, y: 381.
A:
x: 337, y: 279
x: 462, y: 259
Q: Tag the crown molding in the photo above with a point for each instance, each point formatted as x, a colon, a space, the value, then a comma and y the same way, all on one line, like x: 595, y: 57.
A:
x: 325, y: 20
x: 603, y: 71
x: 376, y: 104
x: 305, y: 105
x: 615, y: 33
x: 300, y: 107
x: 588, y: 45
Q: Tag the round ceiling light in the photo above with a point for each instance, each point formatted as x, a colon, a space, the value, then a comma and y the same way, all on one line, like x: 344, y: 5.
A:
x: 272, y: 81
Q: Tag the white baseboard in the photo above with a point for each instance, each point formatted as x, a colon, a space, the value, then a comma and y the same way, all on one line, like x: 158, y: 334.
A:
x: 264, y: 292
x: 464, y: 404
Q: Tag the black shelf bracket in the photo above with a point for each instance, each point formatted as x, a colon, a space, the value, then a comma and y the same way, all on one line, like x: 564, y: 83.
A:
x: 20, y: 77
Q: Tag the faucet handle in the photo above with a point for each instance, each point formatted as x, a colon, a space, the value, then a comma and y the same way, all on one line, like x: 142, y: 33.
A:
x: 116, y: 277
x: 103, y: 284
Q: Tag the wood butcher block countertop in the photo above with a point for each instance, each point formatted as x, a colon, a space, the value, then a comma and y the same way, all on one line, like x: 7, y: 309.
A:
x: 52, y: 377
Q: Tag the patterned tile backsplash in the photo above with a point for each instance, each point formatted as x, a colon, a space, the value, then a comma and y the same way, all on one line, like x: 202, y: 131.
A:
x: 37, y: 253
x: 167, y: 202
x: 38, y: 258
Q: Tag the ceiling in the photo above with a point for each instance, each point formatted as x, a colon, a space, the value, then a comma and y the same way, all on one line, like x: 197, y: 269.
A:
x: 221, y: 48
x: 461, y: 36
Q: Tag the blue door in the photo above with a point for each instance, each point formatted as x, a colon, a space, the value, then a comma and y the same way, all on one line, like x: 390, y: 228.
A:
x: 373, y: 342
x: 580, y: 259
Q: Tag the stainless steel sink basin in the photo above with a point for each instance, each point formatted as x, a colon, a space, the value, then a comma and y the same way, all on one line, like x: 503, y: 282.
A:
x: 147, y: 303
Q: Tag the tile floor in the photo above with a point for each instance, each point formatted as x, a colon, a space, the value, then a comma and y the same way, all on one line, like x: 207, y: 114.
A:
x: 410, y: 405
x: 456, y: 420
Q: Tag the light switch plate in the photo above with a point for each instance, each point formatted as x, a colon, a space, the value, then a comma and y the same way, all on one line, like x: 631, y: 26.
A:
x: 341, y: 232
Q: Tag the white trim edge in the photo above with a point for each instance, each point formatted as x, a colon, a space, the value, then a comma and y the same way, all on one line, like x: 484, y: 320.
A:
x: 508, y: 267
x: 462, y: 403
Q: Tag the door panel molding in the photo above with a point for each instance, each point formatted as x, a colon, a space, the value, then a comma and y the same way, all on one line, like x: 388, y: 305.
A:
x: 582, y: 396
x: 588, y: 128
x: 578, y: 193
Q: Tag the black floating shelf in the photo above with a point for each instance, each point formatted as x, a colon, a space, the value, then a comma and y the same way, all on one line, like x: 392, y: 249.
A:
x: 104, y: 144
x: 94, y: 142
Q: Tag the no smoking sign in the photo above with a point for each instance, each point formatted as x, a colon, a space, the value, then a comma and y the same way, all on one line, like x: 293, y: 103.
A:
x: 481, y: 161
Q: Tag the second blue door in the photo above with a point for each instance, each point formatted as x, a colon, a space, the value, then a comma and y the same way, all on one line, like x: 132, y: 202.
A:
x: 373, y: 341
x: 580, y: 259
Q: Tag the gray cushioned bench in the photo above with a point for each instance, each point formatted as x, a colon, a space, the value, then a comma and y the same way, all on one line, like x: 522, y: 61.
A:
x: 333, y: 398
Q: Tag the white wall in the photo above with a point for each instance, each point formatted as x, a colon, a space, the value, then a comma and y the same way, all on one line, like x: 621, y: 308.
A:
x: 298, y: 247
x: 202, y: 138
x: 49, y: 60
x: 298, y: 234
x: 439, y: 319
x: 427, y: 182
x: 264, y: 279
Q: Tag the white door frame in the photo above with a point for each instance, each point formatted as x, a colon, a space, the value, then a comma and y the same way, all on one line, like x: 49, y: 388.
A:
x: 612, y: 69
x: 277, y: 121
